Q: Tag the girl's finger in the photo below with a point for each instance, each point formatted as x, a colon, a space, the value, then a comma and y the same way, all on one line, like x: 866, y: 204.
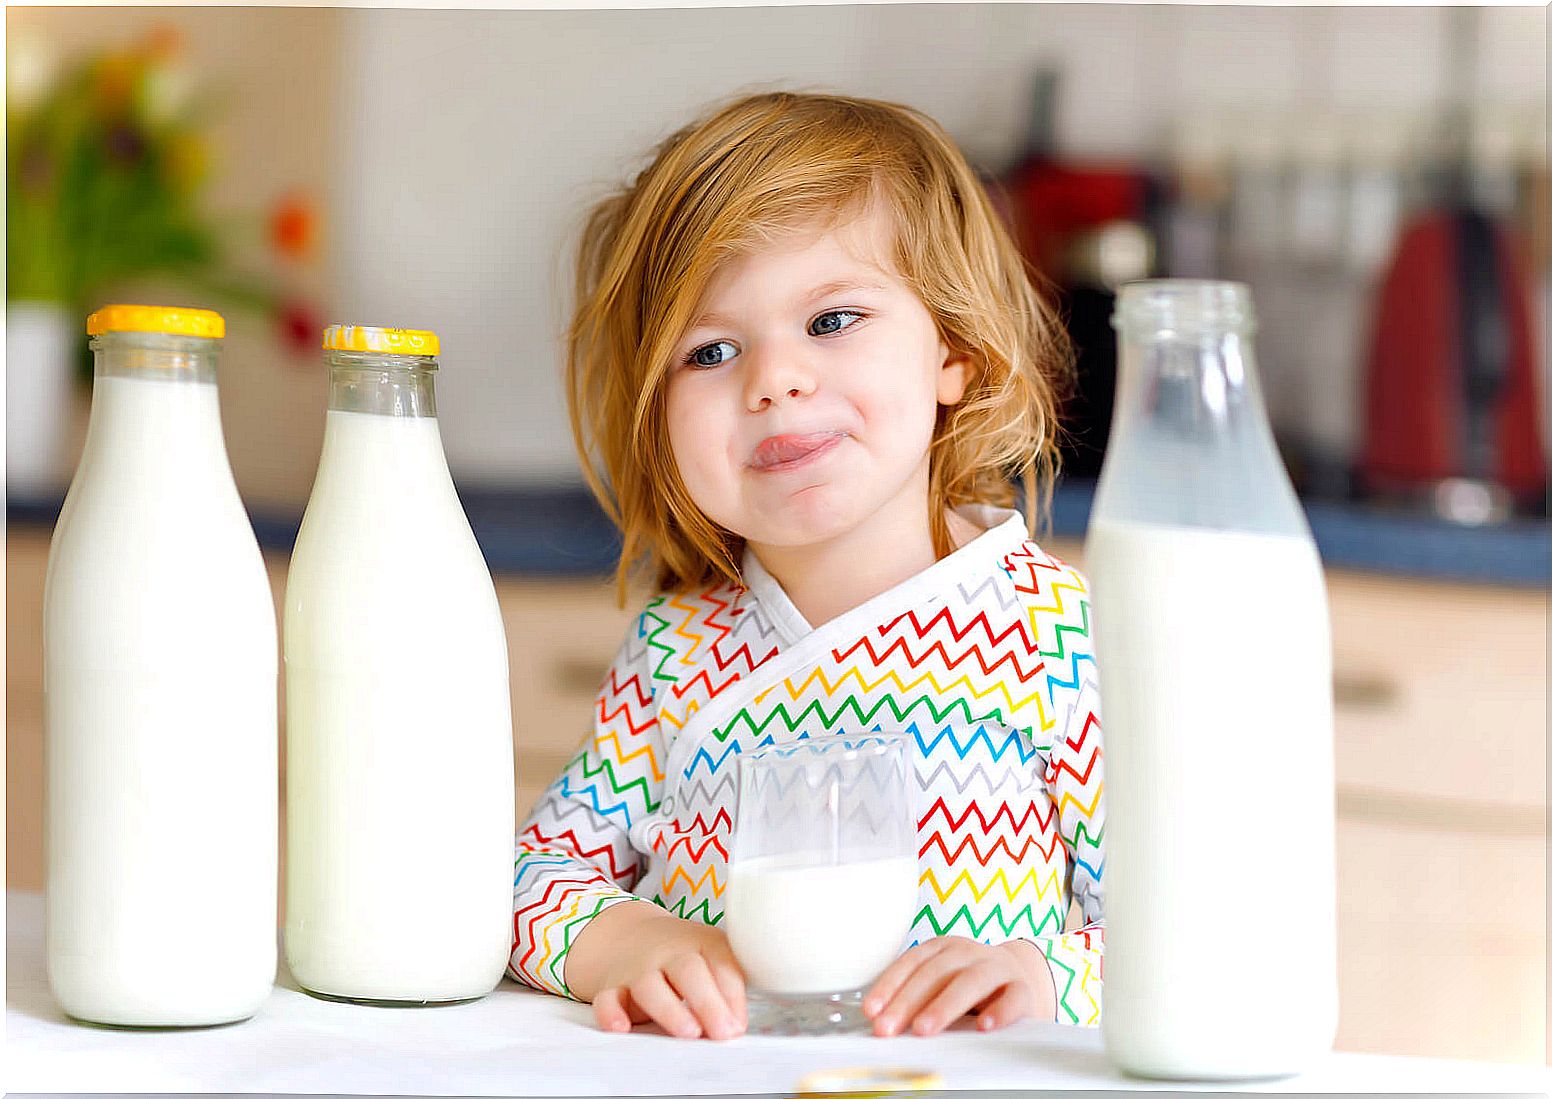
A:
x: 663, y: 1006
x: 609, y: 1010
x: 690, y: 976
x: 895, y: 974
x: 920, y: 986
x: 730, y: 979
x: 1013, y: 1002
x: 967, y: 988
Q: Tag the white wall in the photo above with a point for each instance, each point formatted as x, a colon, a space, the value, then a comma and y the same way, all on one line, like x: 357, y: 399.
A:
x: 475, y: 139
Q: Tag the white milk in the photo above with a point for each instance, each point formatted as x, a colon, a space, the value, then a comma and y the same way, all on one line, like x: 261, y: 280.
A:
x: 1215, y: 664
x: 804, y: 929
x: 160, y: 716
x: 399, y: 807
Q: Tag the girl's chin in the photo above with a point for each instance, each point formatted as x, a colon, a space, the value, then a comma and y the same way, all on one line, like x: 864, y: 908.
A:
x: 810, y: 517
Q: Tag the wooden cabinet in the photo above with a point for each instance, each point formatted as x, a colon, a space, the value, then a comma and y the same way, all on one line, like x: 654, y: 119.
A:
x: 1441, y: 774
x: 1441, y: 717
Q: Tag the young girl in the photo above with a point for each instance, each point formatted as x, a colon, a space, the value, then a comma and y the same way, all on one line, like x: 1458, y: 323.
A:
x: 804, y: 359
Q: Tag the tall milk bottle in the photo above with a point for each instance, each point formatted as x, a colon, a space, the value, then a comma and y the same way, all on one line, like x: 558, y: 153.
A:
x: 1213, y: 640
x: 160, y: 691
x: 399, y: 785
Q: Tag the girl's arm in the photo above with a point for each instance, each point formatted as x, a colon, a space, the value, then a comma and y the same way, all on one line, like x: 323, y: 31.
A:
x: 574, y: 859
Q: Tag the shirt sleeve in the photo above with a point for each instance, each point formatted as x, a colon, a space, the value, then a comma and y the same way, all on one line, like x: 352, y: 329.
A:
x: 573, y: 855
x: 1075, y: 781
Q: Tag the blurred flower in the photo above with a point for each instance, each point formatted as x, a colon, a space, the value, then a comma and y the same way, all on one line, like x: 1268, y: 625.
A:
x: 188, y: 160
x: 80, y: 225
x: 125, y: 143
x: 294, y: 227
x: 31, y: 64
x: 301, y: 327
x: 165, y: 92
x: 162, y: 42
x: 117, y: 74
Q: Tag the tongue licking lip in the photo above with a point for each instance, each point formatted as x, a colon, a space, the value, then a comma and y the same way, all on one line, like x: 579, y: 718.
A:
x: 780, y: 450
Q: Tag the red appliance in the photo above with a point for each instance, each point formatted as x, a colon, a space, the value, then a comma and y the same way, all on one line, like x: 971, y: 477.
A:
x: 1451, y: 378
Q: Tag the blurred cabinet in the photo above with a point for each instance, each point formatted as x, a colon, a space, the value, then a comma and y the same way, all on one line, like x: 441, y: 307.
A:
x: 1441, y: 773
x: 1441, y: 717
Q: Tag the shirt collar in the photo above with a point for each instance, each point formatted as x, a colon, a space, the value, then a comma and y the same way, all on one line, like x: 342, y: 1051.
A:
x: 1004, y: 532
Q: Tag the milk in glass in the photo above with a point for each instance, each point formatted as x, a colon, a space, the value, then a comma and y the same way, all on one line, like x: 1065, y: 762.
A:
x: 399, y: 784
x: 160, y: 665
x: 1213, y: 642
x: 801, y: 926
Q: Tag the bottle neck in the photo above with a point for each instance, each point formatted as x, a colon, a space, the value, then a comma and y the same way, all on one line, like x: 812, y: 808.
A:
x: 1190, y: 442
x: 155, y: 356
x: 382, y: 385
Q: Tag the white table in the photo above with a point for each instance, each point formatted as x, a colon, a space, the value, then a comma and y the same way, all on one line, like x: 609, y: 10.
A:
x: 520, y: 1042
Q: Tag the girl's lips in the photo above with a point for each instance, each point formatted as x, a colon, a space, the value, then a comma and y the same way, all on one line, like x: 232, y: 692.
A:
x: 783, y: 452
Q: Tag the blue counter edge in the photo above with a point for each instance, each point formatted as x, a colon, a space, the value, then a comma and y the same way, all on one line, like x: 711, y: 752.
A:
x: 561, y: 532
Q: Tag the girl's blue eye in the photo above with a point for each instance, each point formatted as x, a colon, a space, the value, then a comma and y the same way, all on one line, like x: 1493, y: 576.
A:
x: 828, y: 324
x: 710, y: 354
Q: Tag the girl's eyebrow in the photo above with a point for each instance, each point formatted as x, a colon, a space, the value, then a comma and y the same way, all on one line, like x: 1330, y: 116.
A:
x: 824, y: 290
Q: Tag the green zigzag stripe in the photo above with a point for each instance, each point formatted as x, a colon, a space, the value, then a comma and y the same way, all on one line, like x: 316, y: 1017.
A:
x: 557, y: 966
x: 649, y: 615
x: 963, y: 913
x: 606, y: 767
x: 1072, y: 975
x: 815, y: 709
x: 701, y: 912
x: 1062, y: 628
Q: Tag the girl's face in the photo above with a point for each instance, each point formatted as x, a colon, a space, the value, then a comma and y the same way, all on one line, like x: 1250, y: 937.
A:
x: 802, y: 399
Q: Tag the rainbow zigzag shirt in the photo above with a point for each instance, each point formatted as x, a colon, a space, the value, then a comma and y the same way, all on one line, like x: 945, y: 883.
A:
x: 984, y: 659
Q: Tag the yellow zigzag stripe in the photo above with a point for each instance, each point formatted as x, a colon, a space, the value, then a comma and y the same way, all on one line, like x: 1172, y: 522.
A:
x: 694, y: 883
x: 695, y: 639
x: 997, y: 687
x: 1056, y: 607
x: 622, y: 756
x: 1086, y: 810
x: 1087, y: 983
x: 679, y: 721
x: 556, y: 925
x: 1050, y: 884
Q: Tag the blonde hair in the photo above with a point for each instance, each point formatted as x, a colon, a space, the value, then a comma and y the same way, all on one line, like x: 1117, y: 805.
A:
x: 748, y: 172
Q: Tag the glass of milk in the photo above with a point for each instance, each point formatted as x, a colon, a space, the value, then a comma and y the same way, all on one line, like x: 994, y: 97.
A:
x: 399, y: 784
x: 1214, y: 655
x: 822, y: 877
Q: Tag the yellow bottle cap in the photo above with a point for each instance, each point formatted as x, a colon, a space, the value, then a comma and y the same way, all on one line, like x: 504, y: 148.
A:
x: 169, y: 319
x: 389, y: 341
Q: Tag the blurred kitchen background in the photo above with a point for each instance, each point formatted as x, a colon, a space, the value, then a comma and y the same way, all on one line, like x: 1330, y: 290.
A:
x: 1377, y: 175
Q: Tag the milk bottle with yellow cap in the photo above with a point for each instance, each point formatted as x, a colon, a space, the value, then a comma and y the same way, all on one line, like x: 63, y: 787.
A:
x: 399, y: 786
x: 160, y: 664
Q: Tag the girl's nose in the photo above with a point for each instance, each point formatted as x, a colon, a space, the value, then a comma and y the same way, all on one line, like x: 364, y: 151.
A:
x: 775, y: 376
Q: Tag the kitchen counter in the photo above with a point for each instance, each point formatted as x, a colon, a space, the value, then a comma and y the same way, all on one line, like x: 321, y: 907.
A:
x: 562, y: 532
x: 520, y: 1042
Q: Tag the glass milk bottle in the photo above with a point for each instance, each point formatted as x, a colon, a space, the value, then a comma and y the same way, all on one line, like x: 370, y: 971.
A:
x: 1213, y: 640
x: 160, y: 692
x: 399, y: 785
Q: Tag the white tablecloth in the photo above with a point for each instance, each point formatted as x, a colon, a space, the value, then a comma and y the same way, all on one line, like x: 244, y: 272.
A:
x: 519, y: 1042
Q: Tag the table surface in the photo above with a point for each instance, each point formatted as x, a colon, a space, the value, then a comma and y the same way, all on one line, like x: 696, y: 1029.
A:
x: 520, y: 1042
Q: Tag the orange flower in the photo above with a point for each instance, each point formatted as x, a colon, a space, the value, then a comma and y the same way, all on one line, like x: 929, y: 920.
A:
x: 294, y: 227
x: 162, y: 42
x: 116, y: 76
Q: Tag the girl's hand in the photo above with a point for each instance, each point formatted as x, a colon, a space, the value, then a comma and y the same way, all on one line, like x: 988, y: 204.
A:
x: 935, y: 982
x: 653, y: 967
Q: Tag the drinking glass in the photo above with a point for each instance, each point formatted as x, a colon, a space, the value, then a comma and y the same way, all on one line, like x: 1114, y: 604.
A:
x: 822, y: 877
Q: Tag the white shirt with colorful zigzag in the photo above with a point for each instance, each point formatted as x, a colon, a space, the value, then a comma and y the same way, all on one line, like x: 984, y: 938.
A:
x: 985, y: 658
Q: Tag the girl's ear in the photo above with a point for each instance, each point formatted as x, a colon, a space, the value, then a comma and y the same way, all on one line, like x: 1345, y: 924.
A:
x: 954, y: 376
